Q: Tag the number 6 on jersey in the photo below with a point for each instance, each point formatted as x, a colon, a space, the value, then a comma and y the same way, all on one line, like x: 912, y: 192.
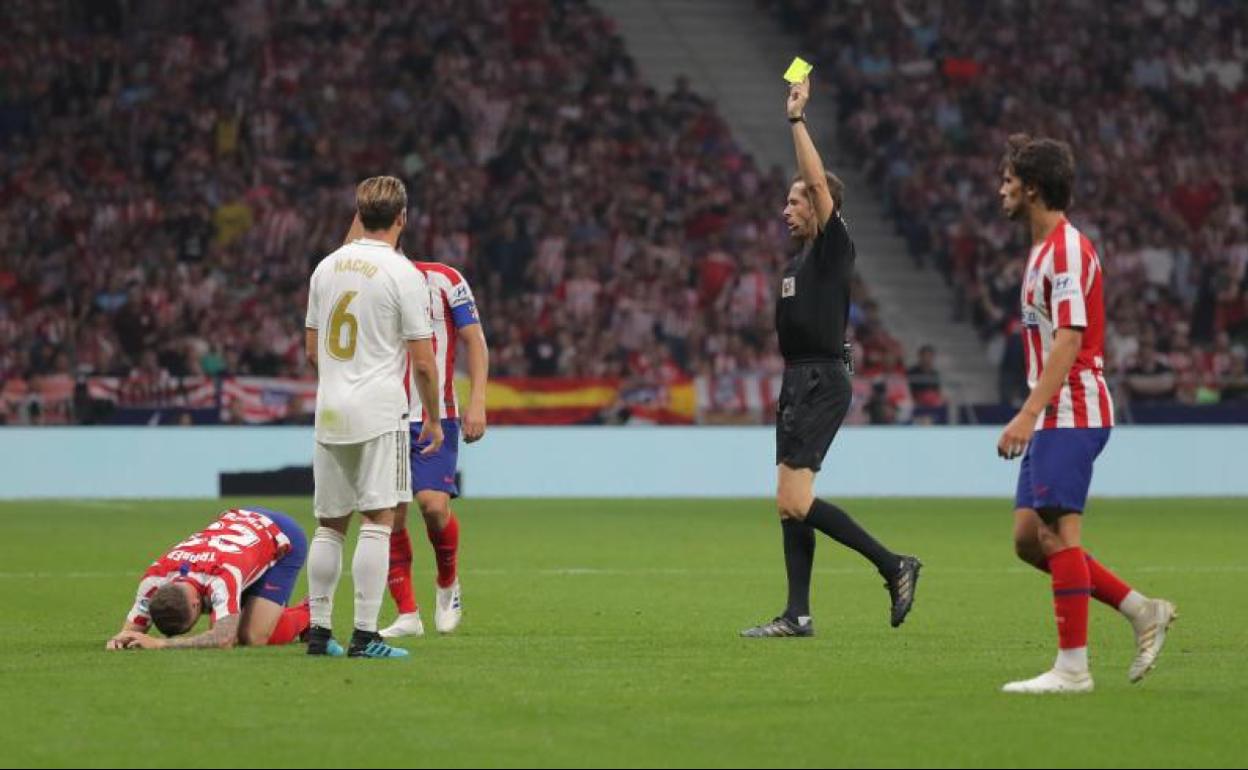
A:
x: 337, y: 320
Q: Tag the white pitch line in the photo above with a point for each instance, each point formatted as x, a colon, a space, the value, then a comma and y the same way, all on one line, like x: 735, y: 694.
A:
x: 929, y: 570
x: 108, y: 505
x: 677, y: 571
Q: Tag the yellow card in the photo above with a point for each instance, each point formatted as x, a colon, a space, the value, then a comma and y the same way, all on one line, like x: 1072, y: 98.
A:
x: 798, y: 70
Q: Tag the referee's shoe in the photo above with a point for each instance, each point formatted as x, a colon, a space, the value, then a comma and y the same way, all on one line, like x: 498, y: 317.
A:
x: 901, y: 588
x: 780, y: 627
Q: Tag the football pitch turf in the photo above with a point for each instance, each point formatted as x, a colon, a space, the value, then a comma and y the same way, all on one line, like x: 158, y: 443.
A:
x: 604, y: 633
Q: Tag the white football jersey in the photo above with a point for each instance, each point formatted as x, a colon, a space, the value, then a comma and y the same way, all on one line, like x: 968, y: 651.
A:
x: 365, y: 302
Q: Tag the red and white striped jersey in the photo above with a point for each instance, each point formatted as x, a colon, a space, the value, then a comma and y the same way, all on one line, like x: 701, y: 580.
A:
x: 220, y: 562
x: 452, y: 307
x: 1062, y: 289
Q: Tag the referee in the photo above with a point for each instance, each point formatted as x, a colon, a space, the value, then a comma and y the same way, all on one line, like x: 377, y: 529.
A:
x: 811, y: 315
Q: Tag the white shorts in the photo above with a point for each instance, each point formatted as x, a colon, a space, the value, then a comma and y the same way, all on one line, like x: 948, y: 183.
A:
x: 370, y: 476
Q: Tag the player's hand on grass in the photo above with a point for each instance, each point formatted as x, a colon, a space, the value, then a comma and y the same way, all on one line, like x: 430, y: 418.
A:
x: 133, y: 640
x: 431, y: 431
x: 799, y: 94
x: 1016, y: 436
x: 474, y: 423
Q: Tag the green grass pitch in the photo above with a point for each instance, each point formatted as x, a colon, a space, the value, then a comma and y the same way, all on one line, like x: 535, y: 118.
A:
x: 603, y: 633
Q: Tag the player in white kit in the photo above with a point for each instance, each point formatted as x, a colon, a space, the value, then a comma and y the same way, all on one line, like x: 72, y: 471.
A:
x: 368, y: 316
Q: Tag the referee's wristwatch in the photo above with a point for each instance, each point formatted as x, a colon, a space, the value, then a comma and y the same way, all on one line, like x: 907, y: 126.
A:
x: 799, y: 119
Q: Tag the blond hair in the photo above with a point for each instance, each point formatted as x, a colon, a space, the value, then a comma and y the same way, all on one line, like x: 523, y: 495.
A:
x: 379, y: 200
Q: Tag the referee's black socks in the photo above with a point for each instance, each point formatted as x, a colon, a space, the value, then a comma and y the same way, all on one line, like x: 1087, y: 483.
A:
x: 836, y: 524
x: 799, y: 558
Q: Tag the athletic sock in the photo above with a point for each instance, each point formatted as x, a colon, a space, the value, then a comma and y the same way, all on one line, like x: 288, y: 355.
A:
x: 446, y: 550
x: 799, y: 559
x: 324, y: 570
x: 368, y: 570
x: 1106, y: 586
x: 837, y: 524
x: 294, y: 621
x: 399, y: 576
x: 1072, y: 587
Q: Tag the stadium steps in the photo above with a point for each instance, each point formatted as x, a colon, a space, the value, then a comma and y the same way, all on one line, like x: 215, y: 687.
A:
x: 733, y: 52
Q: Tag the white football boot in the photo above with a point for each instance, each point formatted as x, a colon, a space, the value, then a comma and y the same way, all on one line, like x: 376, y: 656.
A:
x: 408, y: 624
x: 1150, y: 636
x: 1054, y: 680
x: 448, y: 609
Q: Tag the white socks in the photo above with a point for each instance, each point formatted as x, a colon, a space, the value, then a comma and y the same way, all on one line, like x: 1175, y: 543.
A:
x: 1133, y: 605
x: 1075, y: 661
x: 368, y: 570
x: 1072, y: 661
x: 324, y: 570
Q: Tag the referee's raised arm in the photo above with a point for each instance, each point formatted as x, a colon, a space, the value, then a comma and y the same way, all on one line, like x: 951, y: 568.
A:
x: 809, y: 164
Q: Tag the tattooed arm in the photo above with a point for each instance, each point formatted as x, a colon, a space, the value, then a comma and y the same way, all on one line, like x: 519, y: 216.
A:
x: 223, y: 635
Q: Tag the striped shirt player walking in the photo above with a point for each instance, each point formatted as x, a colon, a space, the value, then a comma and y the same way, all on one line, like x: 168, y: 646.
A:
x: 1065, y: 422
x: 453, y: 313
x: 434, y: 484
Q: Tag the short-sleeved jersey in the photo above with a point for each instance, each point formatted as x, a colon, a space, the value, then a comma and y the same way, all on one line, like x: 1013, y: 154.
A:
x: 1062, y: 289
x: 220, y: 562
x: 366, y: 300
x: 812, y: 310
x: 452, y: 307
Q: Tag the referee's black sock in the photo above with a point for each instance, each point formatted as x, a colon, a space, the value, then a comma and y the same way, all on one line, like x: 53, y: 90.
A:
x: 836, y: 524
x: 799, y: 558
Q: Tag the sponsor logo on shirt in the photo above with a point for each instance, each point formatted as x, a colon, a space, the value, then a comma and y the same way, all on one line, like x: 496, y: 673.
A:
x: 788, y: 288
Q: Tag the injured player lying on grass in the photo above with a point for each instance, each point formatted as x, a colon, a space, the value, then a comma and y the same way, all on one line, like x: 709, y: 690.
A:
x: 240, y: 570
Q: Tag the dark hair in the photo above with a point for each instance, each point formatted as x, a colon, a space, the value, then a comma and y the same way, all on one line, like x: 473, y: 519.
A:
x: 836, y: 188
x: 170, y: 610
x: 380, y: 199
x: 1046, y: 164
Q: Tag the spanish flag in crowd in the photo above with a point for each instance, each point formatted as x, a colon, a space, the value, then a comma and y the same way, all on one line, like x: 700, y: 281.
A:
x: 542, y: 401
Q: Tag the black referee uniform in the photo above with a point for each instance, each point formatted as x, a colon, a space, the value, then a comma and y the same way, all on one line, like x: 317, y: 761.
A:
x: 811, y: 316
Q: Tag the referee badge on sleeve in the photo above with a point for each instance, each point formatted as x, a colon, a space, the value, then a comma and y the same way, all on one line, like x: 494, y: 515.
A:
x: 788, y: 287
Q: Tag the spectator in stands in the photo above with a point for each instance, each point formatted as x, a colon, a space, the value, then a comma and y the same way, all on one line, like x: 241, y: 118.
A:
x: 925, y: 379
x: 1149, y: 377
x: 1156, y: 101
x: 168, y: 178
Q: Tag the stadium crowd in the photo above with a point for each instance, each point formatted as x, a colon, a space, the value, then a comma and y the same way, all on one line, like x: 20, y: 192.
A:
x: 172, y: 171
x: 1152, y: 97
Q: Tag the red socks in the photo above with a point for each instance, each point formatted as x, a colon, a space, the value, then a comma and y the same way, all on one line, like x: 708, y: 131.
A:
x: 293, y: 622
x: 399, y: 578
x: 1106, y: 586
x: 446, y: 547
x: 1072, y: 585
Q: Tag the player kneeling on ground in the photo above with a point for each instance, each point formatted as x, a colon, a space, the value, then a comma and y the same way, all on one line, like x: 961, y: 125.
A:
x: 241, y: 569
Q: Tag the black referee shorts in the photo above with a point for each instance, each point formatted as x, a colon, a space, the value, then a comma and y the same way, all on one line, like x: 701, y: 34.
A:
x: 814, y: 399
